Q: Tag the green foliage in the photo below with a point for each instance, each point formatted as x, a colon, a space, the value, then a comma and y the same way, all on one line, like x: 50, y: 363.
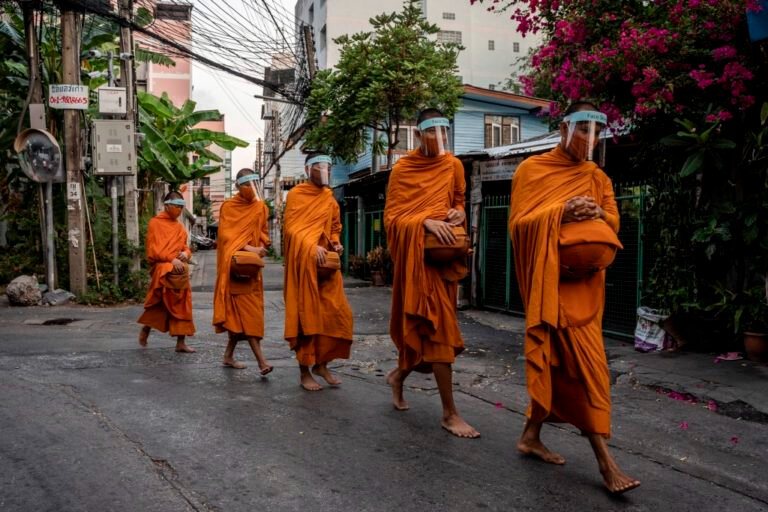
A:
x: 383, y: 79
x: 171, y: 136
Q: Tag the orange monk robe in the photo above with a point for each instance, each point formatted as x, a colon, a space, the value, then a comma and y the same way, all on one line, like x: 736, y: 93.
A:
x: 240, y: 311
x: 166, y: 309
x: 318, y: 319
x: 566, y: 367
x: 423, y: 322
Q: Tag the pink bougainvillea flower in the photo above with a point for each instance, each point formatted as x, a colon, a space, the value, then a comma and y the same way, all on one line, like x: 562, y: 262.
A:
x: 499, y: 405
x: 712, y: 405
x: 683, y: 425
x: 729, y: 356
x: 734, y: 440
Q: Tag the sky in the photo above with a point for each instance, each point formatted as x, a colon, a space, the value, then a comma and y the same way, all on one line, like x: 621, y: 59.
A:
x: 233, y: 97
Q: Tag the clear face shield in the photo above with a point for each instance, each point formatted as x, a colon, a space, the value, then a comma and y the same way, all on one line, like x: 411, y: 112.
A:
x: 250, y: 187
x: 584, y: 138
x: 318, y: 170
x: 434, y: 136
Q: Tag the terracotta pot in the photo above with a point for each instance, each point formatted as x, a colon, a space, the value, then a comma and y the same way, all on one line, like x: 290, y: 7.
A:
x: 756, y: 346
x: 378, y: 278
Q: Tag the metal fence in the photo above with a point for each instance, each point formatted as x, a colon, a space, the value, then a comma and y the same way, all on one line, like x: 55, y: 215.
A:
x: 624, y: 279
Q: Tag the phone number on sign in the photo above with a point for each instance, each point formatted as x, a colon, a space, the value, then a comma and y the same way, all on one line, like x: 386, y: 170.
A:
x: 67, y: 100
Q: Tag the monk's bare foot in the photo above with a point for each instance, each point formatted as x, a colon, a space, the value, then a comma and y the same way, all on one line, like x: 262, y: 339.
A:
x: 184, y: 348
x: 144, y: 335
x: 264, y: 370
x: 233, y: 363
x: 617, y: 482
x: 398, y: 400
x: 456, y: 425
x: 309, y: 383
x: 322, y: 370
x: 535, y: 448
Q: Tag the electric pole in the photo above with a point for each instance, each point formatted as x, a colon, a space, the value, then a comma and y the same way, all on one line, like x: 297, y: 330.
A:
x: 70, y: 63
x: 127, y: 80
x: 278, y: 189
x: 258, y: 165
x: 37, y: 120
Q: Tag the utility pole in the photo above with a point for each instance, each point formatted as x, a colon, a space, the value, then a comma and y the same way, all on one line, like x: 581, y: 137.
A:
x: 70, y: 63
x: 278, y: 189
x: 127, y: 80
x: 310, y: 49
x: 258, y: 164
x: 37, y: 120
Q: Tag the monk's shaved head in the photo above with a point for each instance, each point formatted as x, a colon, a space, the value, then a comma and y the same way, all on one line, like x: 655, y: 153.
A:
x: 244, y: 172
x: 428, y: 113
x: 578, y: 106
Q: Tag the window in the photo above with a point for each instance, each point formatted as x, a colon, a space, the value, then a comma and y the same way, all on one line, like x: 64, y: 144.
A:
x: 449, y: 36
x: 501, y: 130
x: 406, y: 137
x: 449, y: 15
x: 516, y: 47
x: 492, y: 87
x: 311, y: 14
x: 322, y: 3
x: 323, y: 35
x: 491, y: 45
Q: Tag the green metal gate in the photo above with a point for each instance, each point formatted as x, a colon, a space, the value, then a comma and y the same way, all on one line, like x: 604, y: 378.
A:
x: 624, y: 279
x: 375, y: 236
x: 350, y: 237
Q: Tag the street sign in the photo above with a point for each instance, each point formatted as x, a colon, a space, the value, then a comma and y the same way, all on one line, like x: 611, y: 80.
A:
x: 499, y: 170
x: 66, y: 96
x: 112, y: 100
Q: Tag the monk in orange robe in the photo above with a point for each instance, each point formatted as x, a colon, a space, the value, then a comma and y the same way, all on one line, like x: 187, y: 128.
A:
x: 168, y: 307
x: 562, y: 203
x: 426, y: 193
x: 238, y: 303
x: 318, y: 319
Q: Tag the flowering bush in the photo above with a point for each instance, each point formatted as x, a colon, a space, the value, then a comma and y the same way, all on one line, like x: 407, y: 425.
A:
x: 638, y: 59
x: 684, y: 78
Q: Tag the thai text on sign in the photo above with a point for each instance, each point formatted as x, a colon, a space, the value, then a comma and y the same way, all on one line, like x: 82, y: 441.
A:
x: 66, y: 96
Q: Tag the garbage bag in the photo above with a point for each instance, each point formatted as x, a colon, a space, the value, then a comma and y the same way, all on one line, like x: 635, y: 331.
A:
x: 649, y: 335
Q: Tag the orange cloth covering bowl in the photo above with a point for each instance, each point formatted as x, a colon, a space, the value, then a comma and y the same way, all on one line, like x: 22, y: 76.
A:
x: 246, y: 264
x: 437, y: 252
x: 332, y: 265
x: 586, y: 247
x: 177, y: 280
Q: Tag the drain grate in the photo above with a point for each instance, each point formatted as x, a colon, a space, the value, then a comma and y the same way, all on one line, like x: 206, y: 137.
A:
x: 60, y: 321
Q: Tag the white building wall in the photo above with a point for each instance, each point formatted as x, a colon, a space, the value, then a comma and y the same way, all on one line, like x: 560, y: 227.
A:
x: 478, y: 65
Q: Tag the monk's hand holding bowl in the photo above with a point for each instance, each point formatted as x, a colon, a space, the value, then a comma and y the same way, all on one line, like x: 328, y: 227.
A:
x: 321, y: 252
x: 178, y: 265
x: 183, y: 257
x: 338, y: 249
x: 261, y: 251
x: 580, y: 208
x: 442, y: 230
x: 455, y: 217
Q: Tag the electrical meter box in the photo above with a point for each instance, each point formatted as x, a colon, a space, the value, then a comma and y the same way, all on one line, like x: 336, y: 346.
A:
x: 113, y: 147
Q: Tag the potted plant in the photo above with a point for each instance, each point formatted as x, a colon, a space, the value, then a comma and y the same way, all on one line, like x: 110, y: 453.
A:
x: 375, y: 259
x: 356, y: 266
x: 754, y: 319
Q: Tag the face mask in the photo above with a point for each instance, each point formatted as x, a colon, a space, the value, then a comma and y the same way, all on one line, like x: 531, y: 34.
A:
x: 318, y: 170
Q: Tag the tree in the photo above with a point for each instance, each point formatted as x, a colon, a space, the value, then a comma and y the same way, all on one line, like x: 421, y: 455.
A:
x: 383, y: 79
x: 171, y: 138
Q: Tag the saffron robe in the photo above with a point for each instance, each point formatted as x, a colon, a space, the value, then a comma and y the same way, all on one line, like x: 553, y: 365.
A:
x: 423, y: 323
x: 166, y: 309
x: 318, y: 319
x: 238, y: 307
x: 566, y: 367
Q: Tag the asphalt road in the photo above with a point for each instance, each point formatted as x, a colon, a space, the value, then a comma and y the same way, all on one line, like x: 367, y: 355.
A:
x: 90, y: 421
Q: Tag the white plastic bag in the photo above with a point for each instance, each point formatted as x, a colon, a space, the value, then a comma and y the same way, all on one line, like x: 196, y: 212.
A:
x: 649, y: 335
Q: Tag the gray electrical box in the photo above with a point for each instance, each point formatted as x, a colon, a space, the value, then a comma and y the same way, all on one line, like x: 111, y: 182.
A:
x: 113, y: 147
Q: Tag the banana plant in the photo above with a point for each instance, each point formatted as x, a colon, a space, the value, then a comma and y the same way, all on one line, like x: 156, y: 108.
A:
x: 171, y: 138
